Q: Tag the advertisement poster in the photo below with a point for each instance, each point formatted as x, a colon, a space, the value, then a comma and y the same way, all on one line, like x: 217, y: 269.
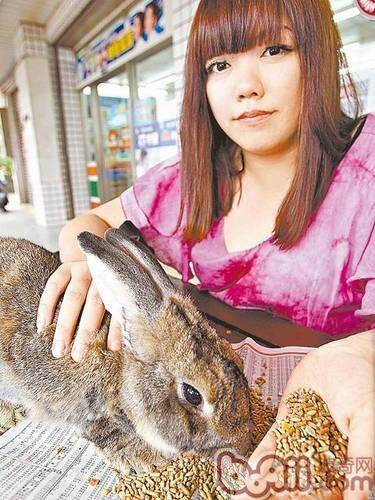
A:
x: 115, y: 116
x: 142, y: 25
x: 156, y: 134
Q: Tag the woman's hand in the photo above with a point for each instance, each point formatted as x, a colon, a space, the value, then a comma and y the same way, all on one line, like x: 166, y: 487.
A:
x: 342, y: 373
x: 80, y: 295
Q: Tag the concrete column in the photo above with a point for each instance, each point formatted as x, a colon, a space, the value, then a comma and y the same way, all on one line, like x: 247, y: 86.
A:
x: 16, y: 152
x: 40, y: 126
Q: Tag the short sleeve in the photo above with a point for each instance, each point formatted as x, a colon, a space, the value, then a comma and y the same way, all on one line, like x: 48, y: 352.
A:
x: 153, y: 205
x: 363, y: 279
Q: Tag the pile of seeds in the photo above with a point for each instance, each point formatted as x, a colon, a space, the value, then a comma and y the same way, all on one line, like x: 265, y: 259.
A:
x: 193, y: 476
x: 183, y: 478
x: 263, y: 415
x: 309, y: 431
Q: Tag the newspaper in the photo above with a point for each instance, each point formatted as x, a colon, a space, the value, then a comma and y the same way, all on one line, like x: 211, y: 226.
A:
x: 276, y: 363
x: 49, y: 462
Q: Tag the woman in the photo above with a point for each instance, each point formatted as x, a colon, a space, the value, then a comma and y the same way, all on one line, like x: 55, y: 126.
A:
x: 138, y: 28
x: 280, y: 183
x: 151, y: 21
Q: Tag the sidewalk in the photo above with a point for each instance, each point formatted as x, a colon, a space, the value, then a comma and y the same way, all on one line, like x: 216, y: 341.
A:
x: 20, y: 222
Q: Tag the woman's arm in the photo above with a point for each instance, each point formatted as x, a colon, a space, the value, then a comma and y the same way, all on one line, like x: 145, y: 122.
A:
x: 97, y: 221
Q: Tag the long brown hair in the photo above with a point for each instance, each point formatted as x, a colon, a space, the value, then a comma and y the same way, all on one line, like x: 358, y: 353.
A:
x: 209, y: 157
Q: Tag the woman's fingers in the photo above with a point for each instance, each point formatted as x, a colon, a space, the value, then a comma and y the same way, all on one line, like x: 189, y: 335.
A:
x: 74, y: 298
x: 91, y: 319
x: 260, y: 470
x: 81, y: 298
x: 114, y: 336
x: 55, y: 286
x: 360, y: 465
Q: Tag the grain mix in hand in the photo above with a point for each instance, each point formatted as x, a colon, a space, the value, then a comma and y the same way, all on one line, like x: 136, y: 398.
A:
x: 308, y: 431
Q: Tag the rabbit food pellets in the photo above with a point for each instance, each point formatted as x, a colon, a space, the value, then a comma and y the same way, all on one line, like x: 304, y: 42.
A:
x: 310, y: 431
x: 183, y: 478
x: 194, y: 477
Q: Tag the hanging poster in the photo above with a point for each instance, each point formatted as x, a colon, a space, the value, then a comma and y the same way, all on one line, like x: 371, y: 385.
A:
x: 141, y: 26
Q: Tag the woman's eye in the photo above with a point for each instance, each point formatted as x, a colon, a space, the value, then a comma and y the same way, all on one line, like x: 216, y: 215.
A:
x: 217, y: 67
x: 275, y: 50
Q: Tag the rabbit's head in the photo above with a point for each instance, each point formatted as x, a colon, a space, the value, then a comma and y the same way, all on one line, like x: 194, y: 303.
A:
x: 182, y: 385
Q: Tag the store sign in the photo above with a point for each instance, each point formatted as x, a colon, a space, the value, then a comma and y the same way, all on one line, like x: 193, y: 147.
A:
x: 134, y: 32
x: 156, y: 134
x: 367, y: 8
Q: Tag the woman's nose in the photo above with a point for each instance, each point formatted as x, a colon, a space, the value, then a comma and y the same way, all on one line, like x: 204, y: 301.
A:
x: 248, y: 85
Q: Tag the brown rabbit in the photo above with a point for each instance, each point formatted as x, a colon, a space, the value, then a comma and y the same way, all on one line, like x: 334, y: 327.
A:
x: 176, y: 386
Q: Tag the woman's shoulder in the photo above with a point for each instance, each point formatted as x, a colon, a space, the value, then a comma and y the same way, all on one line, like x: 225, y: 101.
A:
x: 369, y: 125
x: 161, y: 181
x: 157, y: 195
x: 166, y: 171
x: 358, y: 162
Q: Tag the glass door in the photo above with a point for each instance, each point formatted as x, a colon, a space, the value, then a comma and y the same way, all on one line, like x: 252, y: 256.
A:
x: 130, y: 122
x: 113, y: 96
x: 155, y: 110
x: 90, y: 146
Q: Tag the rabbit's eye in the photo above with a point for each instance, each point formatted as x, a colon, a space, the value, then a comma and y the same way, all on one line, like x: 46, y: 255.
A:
x: 191, y: 395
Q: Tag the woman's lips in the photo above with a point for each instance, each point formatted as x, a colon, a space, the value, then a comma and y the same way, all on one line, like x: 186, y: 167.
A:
x: 255, y: 120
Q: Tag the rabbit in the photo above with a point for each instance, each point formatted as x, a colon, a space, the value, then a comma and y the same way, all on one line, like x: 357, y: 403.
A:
x: 175, y: 386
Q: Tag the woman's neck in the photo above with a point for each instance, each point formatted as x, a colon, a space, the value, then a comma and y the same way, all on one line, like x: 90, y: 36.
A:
x: 271, y: 173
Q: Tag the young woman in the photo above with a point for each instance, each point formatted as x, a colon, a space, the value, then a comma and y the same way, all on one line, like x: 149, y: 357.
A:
x: 280, y: 187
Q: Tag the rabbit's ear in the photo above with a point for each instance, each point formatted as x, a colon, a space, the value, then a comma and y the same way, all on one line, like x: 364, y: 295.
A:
x: 128, y: 277
x: 130, y: 240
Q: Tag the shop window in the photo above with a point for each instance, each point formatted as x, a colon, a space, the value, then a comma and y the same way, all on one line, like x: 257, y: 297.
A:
x: 115, y: 120
x: 155, y: 110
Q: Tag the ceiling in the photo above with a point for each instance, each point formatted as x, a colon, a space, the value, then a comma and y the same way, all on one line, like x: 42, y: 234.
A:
x: 11, y: 13
x: 67, y: 22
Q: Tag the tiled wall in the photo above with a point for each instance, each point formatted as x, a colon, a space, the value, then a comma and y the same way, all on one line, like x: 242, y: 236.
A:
x: 73, y: 130
x: 29, y: 40
x: 65, y: 207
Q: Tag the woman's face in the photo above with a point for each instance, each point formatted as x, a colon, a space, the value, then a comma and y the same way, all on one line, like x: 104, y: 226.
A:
x: 138, y: 28
x: 150, y: 20
x: 266, y: 78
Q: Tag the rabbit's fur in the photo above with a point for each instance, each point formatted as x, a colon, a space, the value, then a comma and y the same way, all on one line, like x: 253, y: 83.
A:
x: 131, y: 403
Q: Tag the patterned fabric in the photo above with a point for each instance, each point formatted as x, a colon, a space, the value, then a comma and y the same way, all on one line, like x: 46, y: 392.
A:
x: 326, y: 281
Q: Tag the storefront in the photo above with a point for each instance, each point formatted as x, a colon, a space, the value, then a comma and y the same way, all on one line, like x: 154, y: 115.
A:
x: 119, y: 65
x: 127, y: 82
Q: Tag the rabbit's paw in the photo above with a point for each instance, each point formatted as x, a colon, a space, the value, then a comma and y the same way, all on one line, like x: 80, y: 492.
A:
x: 146, y: 460
x: 123, y: 466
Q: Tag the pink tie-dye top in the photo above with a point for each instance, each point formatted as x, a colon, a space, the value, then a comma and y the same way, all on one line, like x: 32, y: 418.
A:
x: 325, y: 282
